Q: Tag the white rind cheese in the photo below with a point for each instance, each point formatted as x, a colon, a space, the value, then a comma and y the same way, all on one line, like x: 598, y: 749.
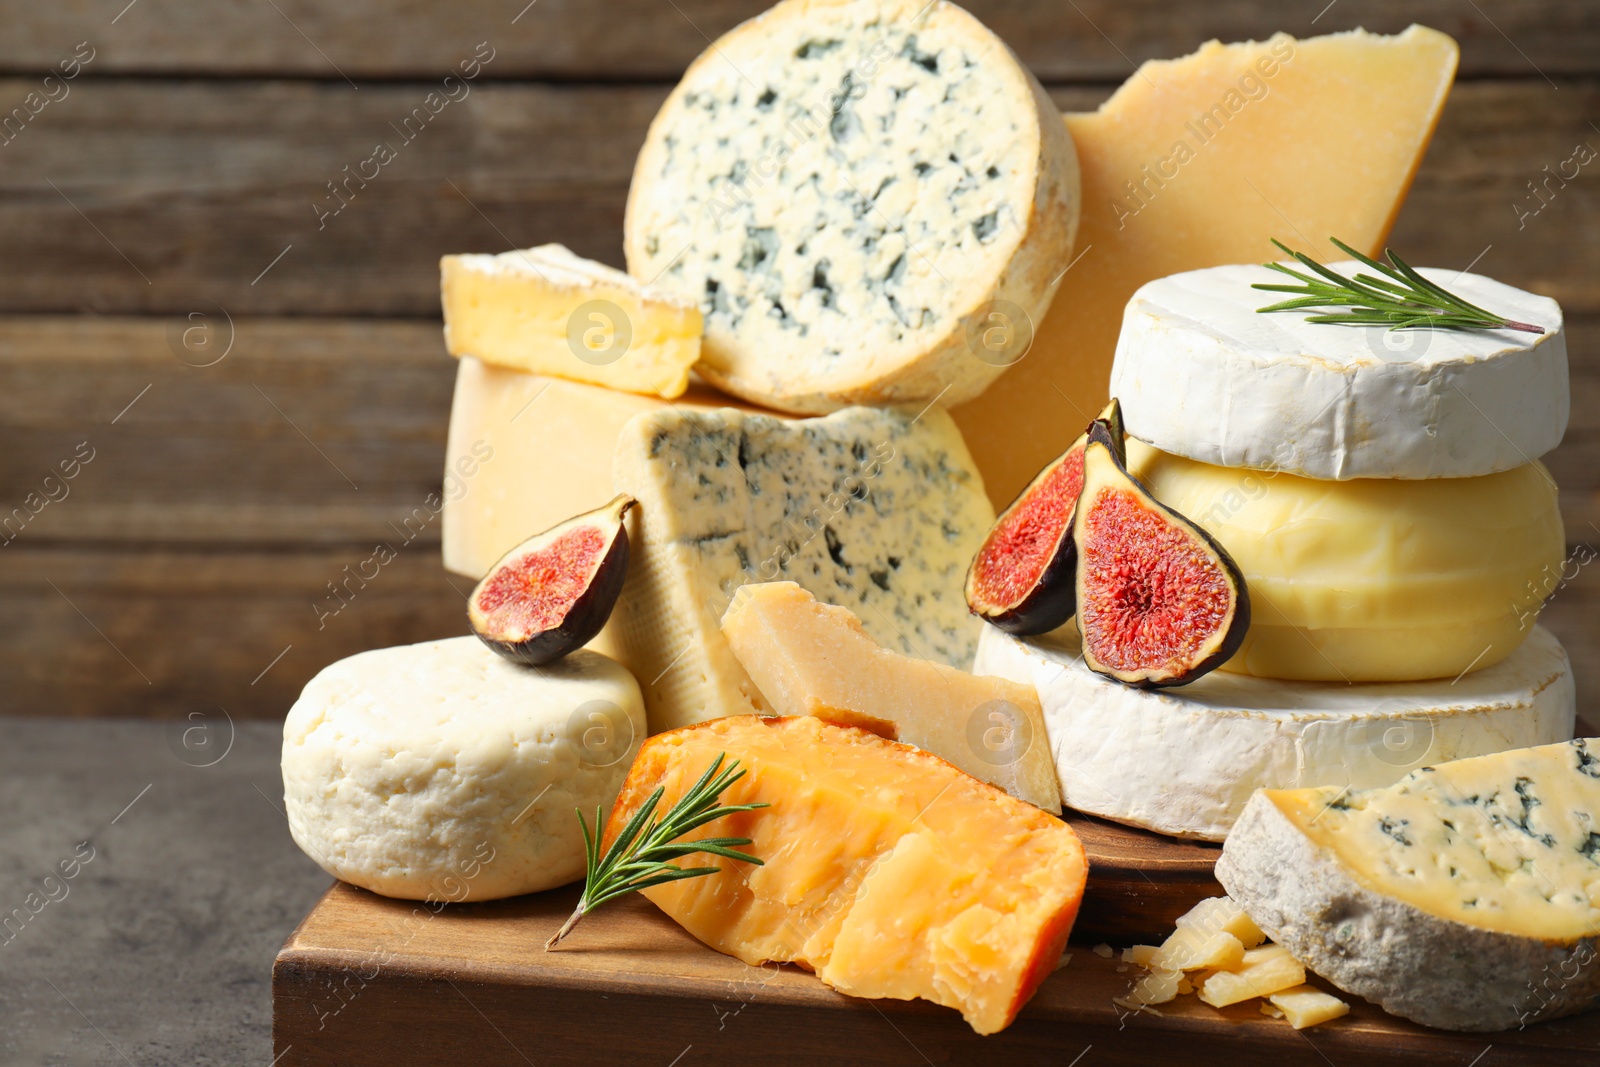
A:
x: 1466, y: 896
x: 875, y: 509
x: 1201, y: 373
x: 872, y: 201
x: 442, y: 771
x: 1185, y: 761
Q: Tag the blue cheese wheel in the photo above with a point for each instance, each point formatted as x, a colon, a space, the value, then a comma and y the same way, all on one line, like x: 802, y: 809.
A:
x: 441, y: 771
x: 872, y: 201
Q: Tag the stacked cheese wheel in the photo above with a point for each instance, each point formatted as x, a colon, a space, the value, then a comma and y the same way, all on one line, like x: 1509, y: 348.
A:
x: 1381, y: 493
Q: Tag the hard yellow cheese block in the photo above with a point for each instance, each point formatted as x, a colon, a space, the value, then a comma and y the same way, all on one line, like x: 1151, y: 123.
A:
x: 548, y: 311
x: 527, y: 451
x: 811, y: 658
x: 1197, y: 162
x: 1374, y: 579
x: 886, y: 870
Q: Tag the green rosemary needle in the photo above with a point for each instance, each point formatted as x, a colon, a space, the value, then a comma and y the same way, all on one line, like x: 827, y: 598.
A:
x: 642, y: 854
x: 1401, y: 300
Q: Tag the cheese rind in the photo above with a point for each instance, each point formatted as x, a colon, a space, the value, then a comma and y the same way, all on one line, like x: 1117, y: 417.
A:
x: 1197, y: 162
x: 809, y: 658
x: 1374, y: 579
x: 876, y: 509
x: 870, y: 200
x: 441, y: 771
x: 886, y: 870
x: 548, y: 311
x: 1185, y: 761
x: 1202, y: 373
x: 1466, y: 896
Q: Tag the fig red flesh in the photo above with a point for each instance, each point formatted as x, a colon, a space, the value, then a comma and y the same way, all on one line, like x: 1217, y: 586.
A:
x: 1156, y: 592
x: 1021, y: 578
x: 1160, y: 602
x: 1010, y: 561
x: 533, y: 592
x: 554, y: 592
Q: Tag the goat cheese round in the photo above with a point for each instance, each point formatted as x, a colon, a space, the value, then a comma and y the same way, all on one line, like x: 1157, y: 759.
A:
x: 872, y: 201
x: 1202, y: 373
x: 1184, y: 761
x: 442, y: 771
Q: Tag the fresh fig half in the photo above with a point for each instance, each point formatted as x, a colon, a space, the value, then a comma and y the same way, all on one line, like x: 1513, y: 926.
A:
x: 1021, y: 578
x: 553, y: 592
x: 1160, y: 602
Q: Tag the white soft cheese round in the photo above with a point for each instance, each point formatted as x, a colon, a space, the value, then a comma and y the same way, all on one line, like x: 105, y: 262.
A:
x: 1184, y: 761
x: 442, y: 771
x: 871, y: 201
x: 1202, y: 373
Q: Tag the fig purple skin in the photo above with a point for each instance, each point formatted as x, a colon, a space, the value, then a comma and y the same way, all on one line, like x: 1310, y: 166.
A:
x: 1136, y: 627
x: 1023, y: 577
x: 554, y: 592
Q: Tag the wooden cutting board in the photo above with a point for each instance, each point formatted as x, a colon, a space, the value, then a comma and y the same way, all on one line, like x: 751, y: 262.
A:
x: 367, y: 981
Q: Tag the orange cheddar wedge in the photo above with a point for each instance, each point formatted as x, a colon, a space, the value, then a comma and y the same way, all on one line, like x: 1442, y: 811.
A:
x: 887, y: 871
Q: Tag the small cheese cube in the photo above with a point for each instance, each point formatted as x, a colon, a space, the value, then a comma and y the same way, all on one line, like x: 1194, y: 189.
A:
x: 1264, y: 971
x: 1157, y: 987
x: 1143, y: 955
x: 1306, y: 1005
x: 1221, y: 914
x: 1190, y: 949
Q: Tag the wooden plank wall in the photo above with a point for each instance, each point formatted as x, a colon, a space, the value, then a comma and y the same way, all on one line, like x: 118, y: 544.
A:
x: 169, y: 206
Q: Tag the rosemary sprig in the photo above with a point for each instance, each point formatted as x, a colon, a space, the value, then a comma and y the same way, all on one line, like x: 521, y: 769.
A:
x: 1402, y: 299
x: 641, y: 855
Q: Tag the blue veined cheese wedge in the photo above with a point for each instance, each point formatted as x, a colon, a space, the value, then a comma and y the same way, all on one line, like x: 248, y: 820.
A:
x: 1465, y: 896
x: 875, y: 509
x: 871, y: 201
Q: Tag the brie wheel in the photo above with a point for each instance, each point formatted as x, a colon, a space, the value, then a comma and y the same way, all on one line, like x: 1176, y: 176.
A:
x: 1184, y: 761
x: 1202, y: 373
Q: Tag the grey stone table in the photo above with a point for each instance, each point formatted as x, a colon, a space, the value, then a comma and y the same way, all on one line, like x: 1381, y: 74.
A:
x: 147, y: 879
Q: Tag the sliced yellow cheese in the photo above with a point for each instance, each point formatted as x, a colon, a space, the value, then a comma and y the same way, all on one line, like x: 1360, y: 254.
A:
x: 1190, y: 948
x: 548, y: 311
x: 1374, y: 579
x: 1197, y: 162
x: 1262, y: 972
x: 1306, y: 1005
x: 885, y: 870
x: 811, y: 658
